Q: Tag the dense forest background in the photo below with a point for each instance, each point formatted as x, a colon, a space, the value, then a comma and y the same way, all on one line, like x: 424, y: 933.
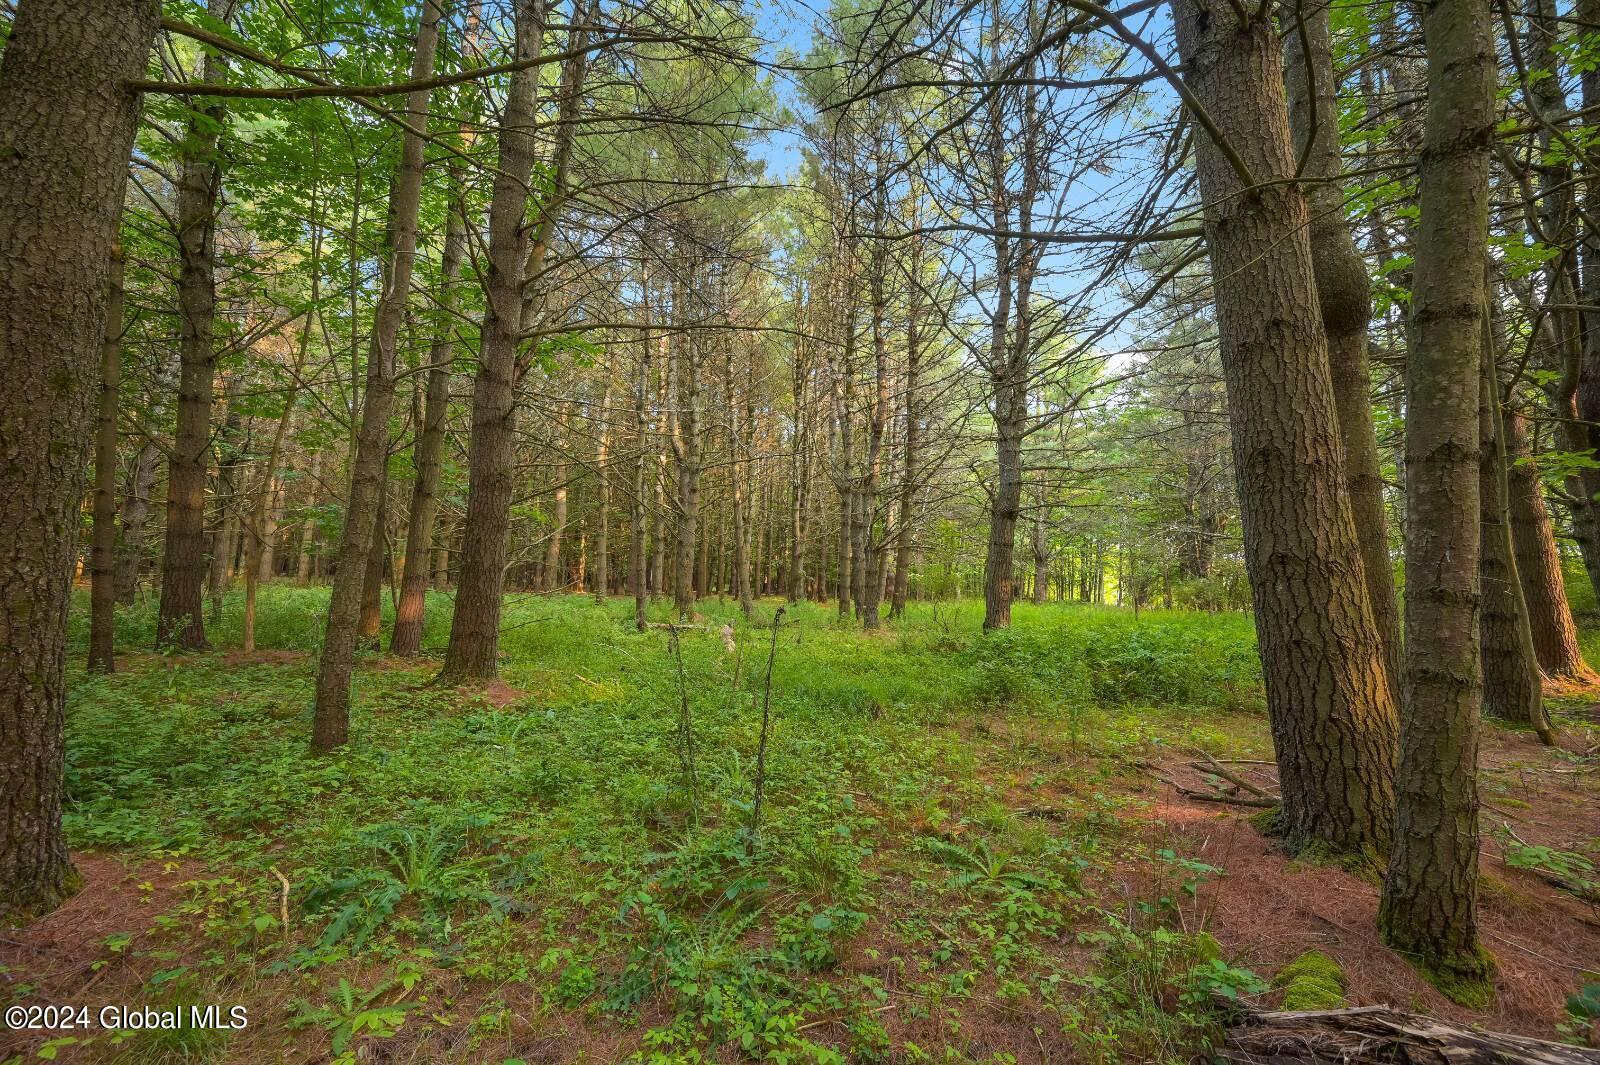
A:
x: 661, y: 528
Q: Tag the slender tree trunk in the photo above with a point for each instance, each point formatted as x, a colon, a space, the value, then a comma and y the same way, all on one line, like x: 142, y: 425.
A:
x: 224, y: 536
x: 135, y: 511
x: 407, y: 636
x: 1428, y: 909
x: 1513, y: 690
x: 309, y: 527
x: 66, y: 130
x: 1555, y: 633
x: 1345, y: 299
x: 369, y: 623
x: 1332, y: 711
x: 686, y: 455
x: 260, y: 521
x: 739, y: 445
x: 331, y: 719
x: 638, y: 578
x: 102, y: 565
x: 181, y: 621
x: 602, y: 474
x: 554, y: 580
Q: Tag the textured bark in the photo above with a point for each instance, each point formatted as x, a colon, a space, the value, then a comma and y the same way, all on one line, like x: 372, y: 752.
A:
x: 475, y: 627
x: 1513, y: 689
x: 331, y: 719
x: 1378, y: 1035
x: 427, y: 454
x: 1331, y: 708
x: 181, y: 622
x: 102, y: 561
x: 1344, y: 298
x: 66, y: 130
x: 1429, y: 901
x: 1555, y: 633
x: 135, y: 511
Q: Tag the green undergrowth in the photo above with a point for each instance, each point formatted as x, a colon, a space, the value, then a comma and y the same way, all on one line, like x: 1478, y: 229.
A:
x: 941, y: 815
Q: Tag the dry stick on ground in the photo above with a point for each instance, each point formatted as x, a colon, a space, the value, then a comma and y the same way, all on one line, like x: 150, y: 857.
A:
x: 766, y: 720
x: 1379, y: 1035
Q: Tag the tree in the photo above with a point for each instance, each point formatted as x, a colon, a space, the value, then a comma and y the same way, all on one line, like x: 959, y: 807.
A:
x: 1332, y: 711
x: 1428, y: 909
x: 67, y: 123
x: 368, y: 473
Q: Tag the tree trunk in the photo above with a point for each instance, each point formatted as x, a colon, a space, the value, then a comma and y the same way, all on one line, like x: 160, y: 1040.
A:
x: 369, y: 624
x: 1344, y: 298
x: 66, y: 130
x: 135, y: 511
x: 1513, y: 690
x: 1428, y: 909
x: 406, y: 639
x: 260, y: 522
x: 309, y: 526
x: 331, y: 720
x: 685, y: 368
x: 554, y: 580
x: 181, y: 622
x: 474, y: 648
x: 1555, y: 633
x: 602, y: 474
x: 638, y: 577
x: 102, y: 565
x: 1332, y: 711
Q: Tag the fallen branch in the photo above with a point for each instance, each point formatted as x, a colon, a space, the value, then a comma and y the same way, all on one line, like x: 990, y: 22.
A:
x: 1229, y: 776
x: 1378, y: 1035
x: 283, y: 898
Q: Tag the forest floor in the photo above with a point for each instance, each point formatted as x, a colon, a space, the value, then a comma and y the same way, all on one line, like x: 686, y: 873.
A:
x: 969, y: 849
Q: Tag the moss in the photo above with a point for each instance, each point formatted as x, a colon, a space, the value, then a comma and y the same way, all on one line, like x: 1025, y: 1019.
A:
x: 1365, y: 863
x: 1464, y: 980
x: 1313, y: 981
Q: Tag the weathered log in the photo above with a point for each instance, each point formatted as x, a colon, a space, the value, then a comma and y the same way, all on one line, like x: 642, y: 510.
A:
x: 1378, y: 1035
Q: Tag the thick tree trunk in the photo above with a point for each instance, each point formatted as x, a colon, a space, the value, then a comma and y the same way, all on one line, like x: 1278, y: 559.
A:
x: 474, y: 648
x: 1332, y: 711
x: 331, y: 719
x: 1555, y: 633
x: 1513, y: 689
x: 1345, y: 299
x: 429, y: 450
x: 102, y: 561
x: 135, y: 511
x: 181, y: 622
x: 66, y: 129
x: 1429, y: 903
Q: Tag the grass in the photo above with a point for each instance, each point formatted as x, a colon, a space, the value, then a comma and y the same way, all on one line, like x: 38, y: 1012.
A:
x: 939, y: 808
